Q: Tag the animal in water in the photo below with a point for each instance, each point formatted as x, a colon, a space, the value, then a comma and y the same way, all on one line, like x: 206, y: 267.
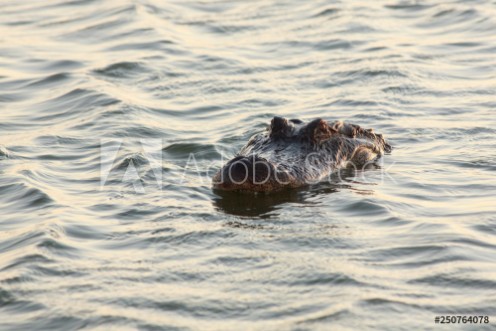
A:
x: 292, y: 153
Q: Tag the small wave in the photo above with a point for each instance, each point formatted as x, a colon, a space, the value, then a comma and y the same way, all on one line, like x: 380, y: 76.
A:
x: 69, y: 105
x: 444, y: 281
x: 135, y: 159
x: 200, y: 151
x: 51, y: 80
x: 365, y: 207
x: 23, y: 197
x: 59, y: 65
x: 327, y: 12
x: 409, y: 7
x: 122, y: 69
x: 159, y: 45
x: 4, y: 153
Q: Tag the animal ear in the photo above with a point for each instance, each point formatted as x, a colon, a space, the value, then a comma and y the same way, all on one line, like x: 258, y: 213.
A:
x: 319, y: 130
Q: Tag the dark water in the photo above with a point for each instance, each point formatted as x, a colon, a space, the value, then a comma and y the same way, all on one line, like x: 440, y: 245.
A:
x: 115, y: 114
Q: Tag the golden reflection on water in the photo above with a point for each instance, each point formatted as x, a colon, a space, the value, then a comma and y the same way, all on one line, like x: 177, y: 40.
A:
x: 403, y: 241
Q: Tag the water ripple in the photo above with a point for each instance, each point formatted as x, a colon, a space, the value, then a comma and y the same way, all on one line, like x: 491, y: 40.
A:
x: 146, y: 244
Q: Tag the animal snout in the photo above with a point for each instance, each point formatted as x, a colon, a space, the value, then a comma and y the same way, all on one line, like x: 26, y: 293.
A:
x: 252, y: 169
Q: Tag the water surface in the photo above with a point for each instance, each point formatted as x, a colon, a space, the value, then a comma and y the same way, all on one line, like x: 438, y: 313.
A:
x: 174, y: 87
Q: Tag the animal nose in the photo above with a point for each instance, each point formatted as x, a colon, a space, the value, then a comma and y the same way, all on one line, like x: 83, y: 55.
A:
x: 238, y: 170
x: 253, y: 169
x: 262, y: 170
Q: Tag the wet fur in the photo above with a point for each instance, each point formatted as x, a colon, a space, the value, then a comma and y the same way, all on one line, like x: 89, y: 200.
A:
x: 305, y: 153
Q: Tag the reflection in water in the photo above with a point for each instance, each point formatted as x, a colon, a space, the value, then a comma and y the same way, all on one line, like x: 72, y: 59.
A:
x: 255, y: 205
x: 265, y: 205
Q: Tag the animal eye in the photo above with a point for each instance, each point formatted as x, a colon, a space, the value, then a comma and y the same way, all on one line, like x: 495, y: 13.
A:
x: 278, y: 126
x: 318, y: 130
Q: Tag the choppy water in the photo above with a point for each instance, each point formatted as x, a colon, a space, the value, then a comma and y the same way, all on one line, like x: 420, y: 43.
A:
x: 384, y: 249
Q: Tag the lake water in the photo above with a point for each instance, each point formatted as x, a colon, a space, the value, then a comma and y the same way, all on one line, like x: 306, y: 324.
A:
x: 114, y: 115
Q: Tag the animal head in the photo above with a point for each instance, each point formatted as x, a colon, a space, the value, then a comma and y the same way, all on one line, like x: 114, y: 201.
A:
x: 292, y: 153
